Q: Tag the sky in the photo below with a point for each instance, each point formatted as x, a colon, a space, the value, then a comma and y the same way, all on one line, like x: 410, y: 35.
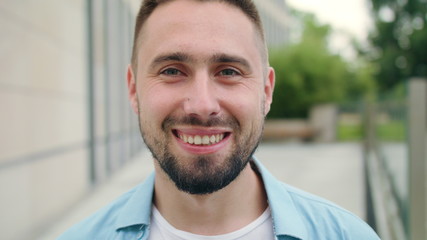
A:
x: 347, y: 17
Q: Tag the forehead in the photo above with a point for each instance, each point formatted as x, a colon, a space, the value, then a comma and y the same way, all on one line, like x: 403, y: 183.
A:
x: 183, y: 25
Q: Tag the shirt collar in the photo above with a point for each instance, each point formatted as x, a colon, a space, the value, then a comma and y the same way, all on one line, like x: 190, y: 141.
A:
x: 137, y: 210
x: 286, y: 219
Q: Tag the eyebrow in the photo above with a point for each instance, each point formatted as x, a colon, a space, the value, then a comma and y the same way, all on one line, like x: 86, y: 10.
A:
x: 216, y: 58
x: 225, y: 58
x: 178, y: 57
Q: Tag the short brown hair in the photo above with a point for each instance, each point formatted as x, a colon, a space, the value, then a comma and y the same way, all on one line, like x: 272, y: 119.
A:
x: 148, y: 7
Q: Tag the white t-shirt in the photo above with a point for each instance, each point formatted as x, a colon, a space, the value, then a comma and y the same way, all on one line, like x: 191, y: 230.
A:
x: 261, y: 228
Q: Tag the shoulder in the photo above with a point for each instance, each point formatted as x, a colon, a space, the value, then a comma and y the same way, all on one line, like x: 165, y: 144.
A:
x: 101, y: 224
x: 301, y: 214
x: 324, y: 218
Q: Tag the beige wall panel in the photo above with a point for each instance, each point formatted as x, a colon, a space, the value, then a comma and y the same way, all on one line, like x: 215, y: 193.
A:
x: 43, y: 105
x: 15, y: 205
x: 58, y: 20
x: 34, y: 194
x: 42, y: 75
x: 39, y: 55
x: 32, y: 123
x: 57, y: 183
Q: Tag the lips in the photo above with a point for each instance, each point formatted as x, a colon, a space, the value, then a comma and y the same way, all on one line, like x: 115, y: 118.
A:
x: 201, y: 138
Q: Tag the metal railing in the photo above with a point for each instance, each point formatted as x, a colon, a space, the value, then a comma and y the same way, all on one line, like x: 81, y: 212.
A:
x: 396, y: 157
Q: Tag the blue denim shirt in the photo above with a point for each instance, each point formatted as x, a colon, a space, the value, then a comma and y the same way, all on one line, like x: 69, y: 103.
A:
x: 296, y: 215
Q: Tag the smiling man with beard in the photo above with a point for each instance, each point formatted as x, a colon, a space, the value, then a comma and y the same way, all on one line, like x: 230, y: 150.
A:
x: 201, y: 86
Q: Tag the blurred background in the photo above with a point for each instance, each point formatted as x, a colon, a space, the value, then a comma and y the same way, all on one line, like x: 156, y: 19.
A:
x: 348, y: 121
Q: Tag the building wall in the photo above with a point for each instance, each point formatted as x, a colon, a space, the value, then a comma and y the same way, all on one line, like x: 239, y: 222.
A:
x: 52, y: 74
x: 276, y: 21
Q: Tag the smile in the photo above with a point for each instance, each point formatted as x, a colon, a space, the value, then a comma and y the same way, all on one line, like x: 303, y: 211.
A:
x: 201, y: 139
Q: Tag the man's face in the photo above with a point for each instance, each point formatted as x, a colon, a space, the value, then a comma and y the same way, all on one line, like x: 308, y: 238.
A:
x: 201, y: 92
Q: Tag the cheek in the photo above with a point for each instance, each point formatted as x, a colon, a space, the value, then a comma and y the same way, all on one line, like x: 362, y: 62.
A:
x: 245, y: 102
x: 156, y: 103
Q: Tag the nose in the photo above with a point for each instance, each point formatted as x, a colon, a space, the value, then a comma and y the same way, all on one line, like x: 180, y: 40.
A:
x: 201, y: 99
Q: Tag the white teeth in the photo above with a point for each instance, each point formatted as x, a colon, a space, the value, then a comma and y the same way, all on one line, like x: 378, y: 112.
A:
x: 202, y: 140
x: 205, y: 140
x: 197, y: 140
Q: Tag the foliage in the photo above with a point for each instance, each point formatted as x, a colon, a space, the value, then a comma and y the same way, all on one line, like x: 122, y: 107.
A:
x: 399, y: 41
x: 349, y: 132
x: 395, y: 93
x: 391, y: 131
x: 307, y: 73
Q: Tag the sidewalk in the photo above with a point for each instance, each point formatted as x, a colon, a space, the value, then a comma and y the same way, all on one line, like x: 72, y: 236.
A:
x: 333, y: 171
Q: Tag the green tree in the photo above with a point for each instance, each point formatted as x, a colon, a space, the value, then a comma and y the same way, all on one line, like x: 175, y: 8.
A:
x: 399, y: 41
x: 307, y: 73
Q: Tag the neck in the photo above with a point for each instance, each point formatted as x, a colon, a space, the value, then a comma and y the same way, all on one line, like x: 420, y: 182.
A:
x: 224, y: 211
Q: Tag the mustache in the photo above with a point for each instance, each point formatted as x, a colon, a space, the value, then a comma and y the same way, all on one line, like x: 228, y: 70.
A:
x: 215, y: 121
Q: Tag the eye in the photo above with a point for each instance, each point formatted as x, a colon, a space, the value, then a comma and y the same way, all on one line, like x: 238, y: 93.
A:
x: 229, y: 72
x: 171, y: 71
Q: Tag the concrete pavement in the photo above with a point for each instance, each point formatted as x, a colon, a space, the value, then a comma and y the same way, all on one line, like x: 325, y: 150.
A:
x: 333, y: 171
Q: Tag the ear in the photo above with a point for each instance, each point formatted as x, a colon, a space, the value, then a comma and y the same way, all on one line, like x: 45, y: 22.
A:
x: 268, y: 89
x: 132, y: 94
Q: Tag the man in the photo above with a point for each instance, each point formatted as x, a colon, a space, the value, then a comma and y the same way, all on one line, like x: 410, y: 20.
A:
x: 201, y: 86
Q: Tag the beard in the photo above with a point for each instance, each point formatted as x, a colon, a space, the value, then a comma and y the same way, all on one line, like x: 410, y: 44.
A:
x: 203, y: 174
